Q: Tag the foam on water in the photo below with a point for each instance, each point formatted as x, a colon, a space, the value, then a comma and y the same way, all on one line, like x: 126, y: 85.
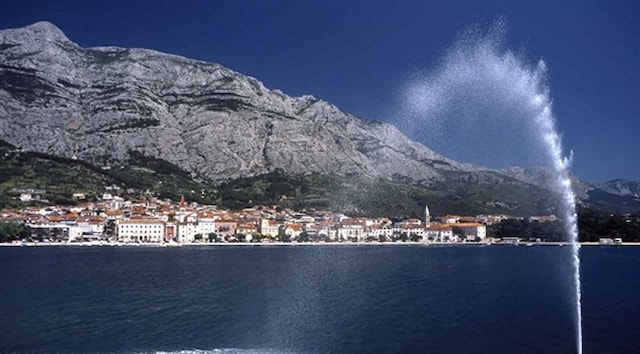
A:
x: 487, y: 105
x: 221, y: 351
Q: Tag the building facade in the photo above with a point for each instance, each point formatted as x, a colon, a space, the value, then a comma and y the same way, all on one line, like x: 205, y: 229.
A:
x: 141, y: 230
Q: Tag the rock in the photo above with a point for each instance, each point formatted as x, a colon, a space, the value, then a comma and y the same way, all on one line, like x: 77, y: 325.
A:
x: 100, y: 103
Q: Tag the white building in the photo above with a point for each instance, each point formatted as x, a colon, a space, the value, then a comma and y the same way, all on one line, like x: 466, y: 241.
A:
x: 141, y: 230
x: 206, y: 226
x: 437, y: 232
x: 292, y: 230
x: 380, y: 232
x: 187, y: 231
x: 475, y: 230
x: 350, y: 230
x: 269, y: 228
x: 411, y: 230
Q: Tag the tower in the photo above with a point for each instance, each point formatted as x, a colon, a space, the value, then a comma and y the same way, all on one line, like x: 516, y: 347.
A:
x: 427, y: 216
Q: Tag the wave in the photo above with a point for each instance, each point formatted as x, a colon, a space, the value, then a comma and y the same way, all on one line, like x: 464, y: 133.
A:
x: 220, y: 351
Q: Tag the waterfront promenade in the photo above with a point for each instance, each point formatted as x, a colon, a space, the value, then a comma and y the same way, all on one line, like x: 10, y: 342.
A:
x: 300, y: 244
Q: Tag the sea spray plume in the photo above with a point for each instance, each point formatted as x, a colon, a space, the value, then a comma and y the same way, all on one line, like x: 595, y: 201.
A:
x: 474, y: 98
x: 484, y: 104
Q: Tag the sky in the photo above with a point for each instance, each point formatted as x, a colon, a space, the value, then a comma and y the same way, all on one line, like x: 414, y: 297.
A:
x: 361, y: 55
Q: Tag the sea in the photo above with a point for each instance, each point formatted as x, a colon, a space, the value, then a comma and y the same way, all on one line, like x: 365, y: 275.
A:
x: 316, y: 299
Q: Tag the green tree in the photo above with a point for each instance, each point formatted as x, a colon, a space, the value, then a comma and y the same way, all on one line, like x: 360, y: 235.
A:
x: 198, y: 237
x: 304, y: 237
x: 457, y: 231
x: 282, y: 236
x: 10, y: 231
x: 211, y: 237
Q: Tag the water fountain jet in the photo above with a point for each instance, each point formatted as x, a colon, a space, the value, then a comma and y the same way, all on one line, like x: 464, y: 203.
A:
x: 481, y: 89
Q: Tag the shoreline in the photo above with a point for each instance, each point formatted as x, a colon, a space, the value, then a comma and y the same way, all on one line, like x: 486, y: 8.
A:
x: 303, y: 244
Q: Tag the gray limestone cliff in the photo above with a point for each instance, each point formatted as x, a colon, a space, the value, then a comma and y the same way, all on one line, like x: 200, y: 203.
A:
x: 100, y: 103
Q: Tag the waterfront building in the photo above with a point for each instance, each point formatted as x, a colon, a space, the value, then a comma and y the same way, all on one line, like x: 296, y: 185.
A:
x: 141, y: 230
x: 170, y: 232
x: 187, y: 231
x: 246, y: 229
x: 380, y: 232
x: 352, y: 230
x: 473, y: 229
x: 292, y: 230
x: 438, y: 232
x: 269, y: 228
x: 510, y: 240
x: 226, y: 228
x: 206, y: 225
x: 412, y: 230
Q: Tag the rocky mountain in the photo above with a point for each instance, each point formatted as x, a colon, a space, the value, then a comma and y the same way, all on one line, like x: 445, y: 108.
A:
x: 621, y: 187
x: 544, y: 177
x: 99, y: 104
x: 617, y: 195
x: 111, y: 105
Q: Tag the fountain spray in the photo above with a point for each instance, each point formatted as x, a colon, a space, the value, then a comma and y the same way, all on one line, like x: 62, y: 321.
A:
x: 482, y: 90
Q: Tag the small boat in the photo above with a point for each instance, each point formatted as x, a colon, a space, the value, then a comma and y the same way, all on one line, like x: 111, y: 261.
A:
x: 172, y: 244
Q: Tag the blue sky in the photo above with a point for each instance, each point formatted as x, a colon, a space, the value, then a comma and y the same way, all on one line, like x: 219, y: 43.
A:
x: 359, y: 55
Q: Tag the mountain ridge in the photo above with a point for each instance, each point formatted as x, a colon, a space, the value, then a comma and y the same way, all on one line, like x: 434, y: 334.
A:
x: 99, y: 104
x: 147, y: 96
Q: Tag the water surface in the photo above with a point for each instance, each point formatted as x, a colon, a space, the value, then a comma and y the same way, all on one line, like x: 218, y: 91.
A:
x: 322, y: 299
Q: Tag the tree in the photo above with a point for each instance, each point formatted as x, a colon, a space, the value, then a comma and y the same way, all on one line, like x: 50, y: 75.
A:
x: 457, y: 231
x: 198, y: 237
x: 282, y: 236
x: 211, y: 237
x: 10, y: 231
x: 510, y: 228
x: 304, y: 237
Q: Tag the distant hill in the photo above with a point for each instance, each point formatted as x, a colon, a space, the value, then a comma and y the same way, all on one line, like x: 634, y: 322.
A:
x: 621, y: 188
x: 616, y: 195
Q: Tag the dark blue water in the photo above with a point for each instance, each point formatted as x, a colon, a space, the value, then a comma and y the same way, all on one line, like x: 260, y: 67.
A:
x: 497, y: 299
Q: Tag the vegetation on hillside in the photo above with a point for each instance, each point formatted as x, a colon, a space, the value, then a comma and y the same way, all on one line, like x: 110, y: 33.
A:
x: 379, y: 197
x: 144, y: 175
x: 60, y: 178
x: 592, y: 225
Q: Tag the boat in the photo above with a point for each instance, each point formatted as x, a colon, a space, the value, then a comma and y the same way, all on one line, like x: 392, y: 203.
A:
x: 172, y: 244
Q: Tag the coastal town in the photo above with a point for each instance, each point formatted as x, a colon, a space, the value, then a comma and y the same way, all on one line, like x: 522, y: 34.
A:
x: 114, y: 220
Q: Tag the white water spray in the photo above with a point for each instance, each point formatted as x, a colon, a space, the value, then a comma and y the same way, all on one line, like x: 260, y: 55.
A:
x: 484, y: 103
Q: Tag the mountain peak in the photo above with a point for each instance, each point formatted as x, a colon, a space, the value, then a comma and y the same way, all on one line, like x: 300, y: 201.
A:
x: 39, y: 31
x: 47, y: 30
